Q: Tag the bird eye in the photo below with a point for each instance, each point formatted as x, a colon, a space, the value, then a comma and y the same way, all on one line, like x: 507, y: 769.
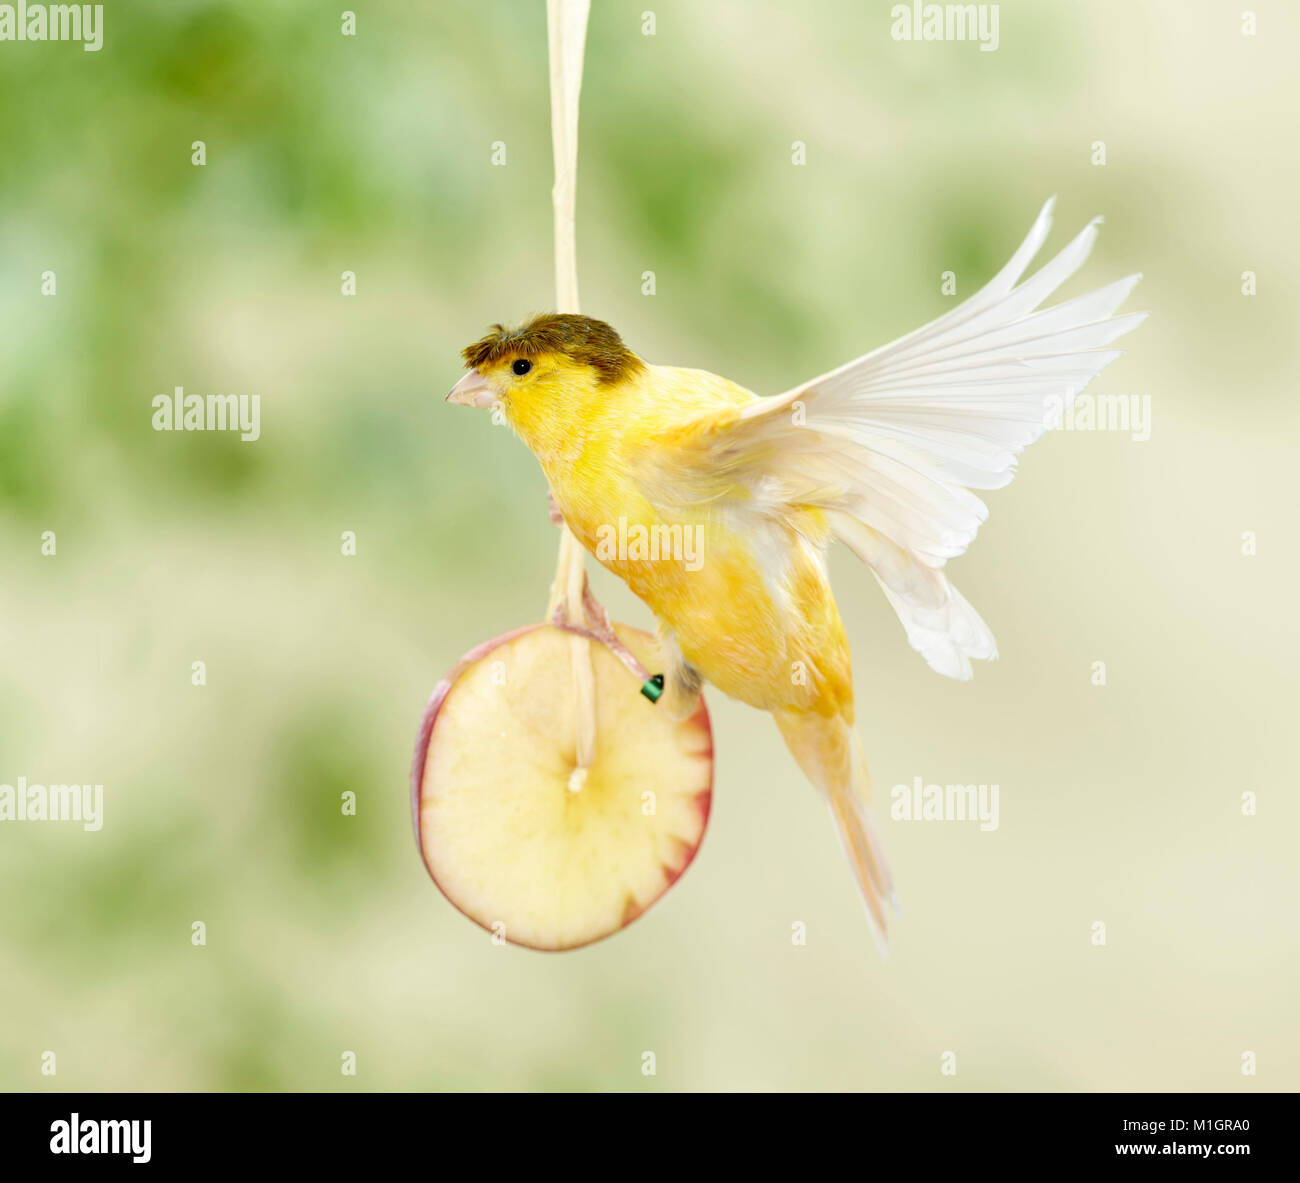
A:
x: 522, y: 366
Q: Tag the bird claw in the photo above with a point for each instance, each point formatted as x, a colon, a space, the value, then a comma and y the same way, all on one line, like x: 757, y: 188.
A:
x: 599, y: 629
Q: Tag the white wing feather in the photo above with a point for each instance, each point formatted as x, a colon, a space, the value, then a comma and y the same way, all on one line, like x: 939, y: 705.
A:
x: 893, y: 442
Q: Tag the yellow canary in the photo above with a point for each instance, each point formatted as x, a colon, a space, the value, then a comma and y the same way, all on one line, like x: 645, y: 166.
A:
x: 716, y: 506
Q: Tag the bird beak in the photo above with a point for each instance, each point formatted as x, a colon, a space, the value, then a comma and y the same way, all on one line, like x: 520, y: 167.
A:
x: 473, y: 390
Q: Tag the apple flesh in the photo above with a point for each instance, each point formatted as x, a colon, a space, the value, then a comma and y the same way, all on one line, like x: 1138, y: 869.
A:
x: 518, y: 837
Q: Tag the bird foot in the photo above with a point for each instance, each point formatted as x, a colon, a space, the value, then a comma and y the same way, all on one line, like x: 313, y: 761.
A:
x: 598, y: 628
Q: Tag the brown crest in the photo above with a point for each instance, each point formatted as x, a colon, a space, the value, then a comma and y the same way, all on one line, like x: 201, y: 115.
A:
x: 580, y: 338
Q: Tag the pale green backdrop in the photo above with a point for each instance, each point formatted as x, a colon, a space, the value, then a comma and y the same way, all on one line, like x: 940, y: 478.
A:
x: 372, y: 154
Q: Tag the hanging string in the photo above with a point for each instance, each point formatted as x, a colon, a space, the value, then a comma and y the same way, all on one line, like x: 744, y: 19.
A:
x: 566, y: 22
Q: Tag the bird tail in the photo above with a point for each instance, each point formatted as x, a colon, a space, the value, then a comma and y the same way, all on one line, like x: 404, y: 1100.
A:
x: 830, y: 753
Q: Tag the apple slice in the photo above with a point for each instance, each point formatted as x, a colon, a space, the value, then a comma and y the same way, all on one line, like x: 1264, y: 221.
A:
x: 516, y: 835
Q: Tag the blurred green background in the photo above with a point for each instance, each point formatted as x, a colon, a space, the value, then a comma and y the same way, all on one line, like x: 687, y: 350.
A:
x: 372, y: 154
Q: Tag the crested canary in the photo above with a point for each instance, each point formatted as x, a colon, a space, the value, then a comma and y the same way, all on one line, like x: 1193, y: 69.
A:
x: 880, y: 454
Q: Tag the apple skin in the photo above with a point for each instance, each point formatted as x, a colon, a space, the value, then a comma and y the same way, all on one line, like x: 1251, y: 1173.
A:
x: 700, y: 719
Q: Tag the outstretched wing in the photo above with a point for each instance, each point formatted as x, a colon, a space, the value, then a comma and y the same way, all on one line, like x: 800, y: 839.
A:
x: 892, y: 444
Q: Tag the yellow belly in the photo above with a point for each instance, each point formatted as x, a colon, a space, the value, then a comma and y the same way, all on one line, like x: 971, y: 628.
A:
x: 765, y: 631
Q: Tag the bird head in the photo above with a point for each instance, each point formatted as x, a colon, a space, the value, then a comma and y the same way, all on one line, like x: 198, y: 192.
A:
x: 551, y: 376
